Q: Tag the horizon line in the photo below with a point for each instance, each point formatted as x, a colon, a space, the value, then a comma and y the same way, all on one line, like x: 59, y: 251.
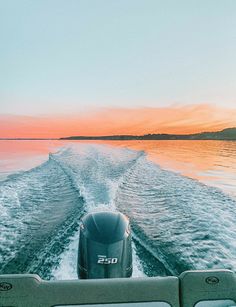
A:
x: 112, y: 135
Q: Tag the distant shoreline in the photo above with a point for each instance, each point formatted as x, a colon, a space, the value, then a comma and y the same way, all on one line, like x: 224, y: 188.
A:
x: 223, y: 135
x: 228, y: 134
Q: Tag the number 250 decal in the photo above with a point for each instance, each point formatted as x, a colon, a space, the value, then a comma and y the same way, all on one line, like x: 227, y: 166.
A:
x: 105, y: 260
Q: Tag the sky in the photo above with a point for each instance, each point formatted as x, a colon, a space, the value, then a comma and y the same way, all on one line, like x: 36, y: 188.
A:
x: 116, y: 66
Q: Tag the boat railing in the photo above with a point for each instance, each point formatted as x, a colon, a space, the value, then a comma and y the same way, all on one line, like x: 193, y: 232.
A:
x: 215, y: 288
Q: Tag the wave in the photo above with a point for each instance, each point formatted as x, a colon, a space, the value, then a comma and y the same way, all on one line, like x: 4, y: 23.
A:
x: 96, y: 170
x: 35, y: 205
x: 180, y: 221
x: 177, y: 222
x: 41, y: 208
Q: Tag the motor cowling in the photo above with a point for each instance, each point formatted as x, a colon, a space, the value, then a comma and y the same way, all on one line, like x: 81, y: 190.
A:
x: 104, y: 246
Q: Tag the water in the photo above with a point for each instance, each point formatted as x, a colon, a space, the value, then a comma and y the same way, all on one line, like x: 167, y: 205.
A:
x: 179, y: 195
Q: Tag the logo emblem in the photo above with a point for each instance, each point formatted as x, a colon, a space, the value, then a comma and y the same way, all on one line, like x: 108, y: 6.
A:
x: 102, y: 259
x: 212, y: 280
x: 5, y: 286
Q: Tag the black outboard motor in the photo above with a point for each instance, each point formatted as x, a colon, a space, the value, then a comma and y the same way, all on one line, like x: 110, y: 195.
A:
x: 105, y: 246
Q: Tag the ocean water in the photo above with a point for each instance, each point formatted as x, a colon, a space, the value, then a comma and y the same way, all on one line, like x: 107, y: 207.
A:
x: 180, y: 197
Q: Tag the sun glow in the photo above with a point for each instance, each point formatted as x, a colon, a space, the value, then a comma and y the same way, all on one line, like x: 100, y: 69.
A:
x: 117, y: 121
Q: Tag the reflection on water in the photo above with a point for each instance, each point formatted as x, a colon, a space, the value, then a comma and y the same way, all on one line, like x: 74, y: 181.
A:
x: 16, y: 156
x: 211, y: 162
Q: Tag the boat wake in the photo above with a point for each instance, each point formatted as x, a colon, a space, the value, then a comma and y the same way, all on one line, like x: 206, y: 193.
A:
x: 178, y: 223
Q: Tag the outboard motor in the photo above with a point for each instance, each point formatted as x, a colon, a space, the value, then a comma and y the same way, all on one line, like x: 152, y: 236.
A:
x: 104, y: 246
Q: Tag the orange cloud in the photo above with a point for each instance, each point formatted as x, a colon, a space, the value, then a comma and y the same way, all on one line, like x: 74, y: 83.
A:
x: 173, y: 119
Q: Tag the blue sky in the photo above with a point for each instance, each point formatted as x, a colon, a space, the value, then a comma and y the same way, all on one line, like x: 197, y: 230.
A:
x: 64, y: 56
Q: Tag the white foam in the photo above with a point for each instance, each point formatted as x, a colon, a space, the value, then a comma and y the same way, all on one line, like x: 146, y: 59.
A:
x: 97, y: 171
x: 67, y: 267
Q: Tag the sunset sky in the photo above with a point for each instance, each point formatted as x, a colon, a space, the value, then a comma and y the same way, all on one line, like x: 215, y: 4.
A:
x: 98, y: 67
